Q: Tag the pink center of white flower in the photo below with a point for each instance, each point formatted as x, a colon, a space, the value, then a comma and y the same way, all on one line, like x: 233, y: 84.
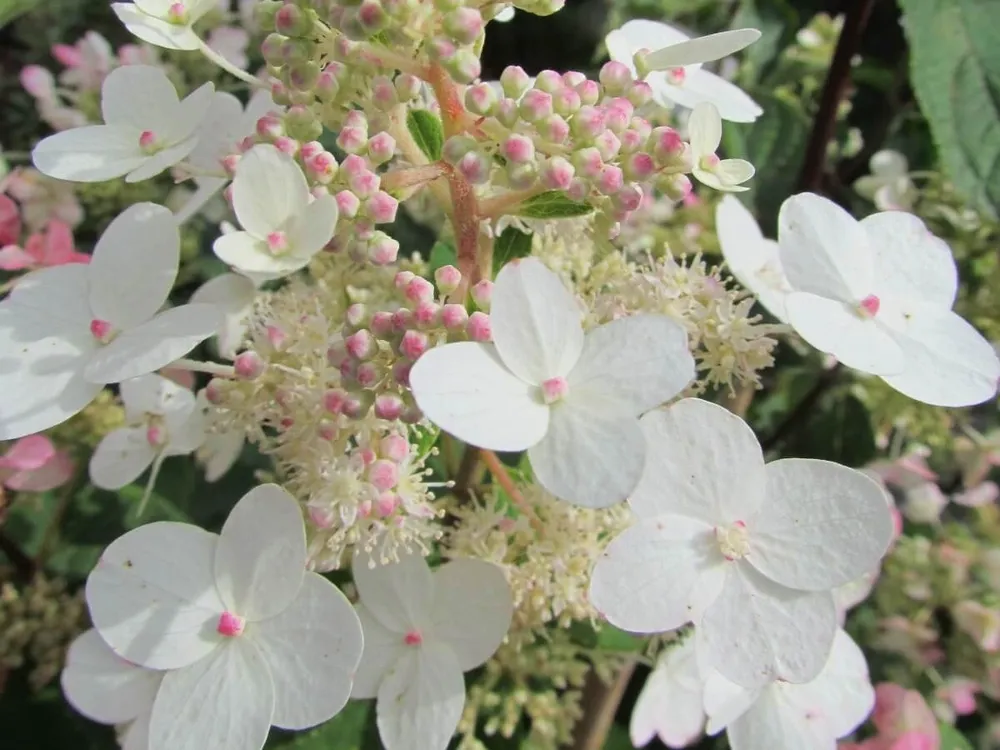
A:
x: 413, y: 638
x: 148, y: 141
x: 277, y: 242
x: 177, y: 13
x: 156, y: 435
x: 710, y: 162
x: 101, y: 330
x: 230, y: 625
x: 733, y: 540
x: 676, y: 76
x: 869, y: 306
x: 554, y: 389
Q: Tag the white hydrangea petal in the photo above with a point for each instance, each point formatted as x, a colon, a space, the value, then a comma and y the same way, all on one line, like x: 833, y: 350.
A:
x: 261, y: 556
x: 138, y: 96
x: 268, y: 190
x: 104, y: 687
x: 948, y: 362
x: 154, y: 344
x: 704, y: 462
x: 589, y: 457
x: 724, y: 701
x: 842, y: 695
x: 247, y: 254
x: 136, y: 735
x: 398, y: 594
x: 224, y: 702
x: 670, y: 704
x: 732, y: 102
x: 705, y: 129
x: 161, y: 160
x: 134, y: 265
x: 466, y: 390
x: 733, y: 172
x: 824, y: 250
x: 93, y: 153
x: 153, y: 30
x: 187, y: 117
x: 758, y: 631
x: 645, y: 579
x: 315, y: 226
x: 234, y: 294
x: 821, y: 526
x: 312, y: 649
x: 633, y: 364
x: 421, y: 699
x: 640, y: 33
x: 43, y: 352
x: 155, y: 394
x: 217, y: 133
x: 219, y: 453
x: 472, y: 609
x: 186, y: 435
x: 120, y: 458
x: 536, y: 322
x: 701, y: 49
x: 383, y: 648
x: 911, y: 264
x: 770, y: 722
x: 832, y: 327
x: 152, y: 595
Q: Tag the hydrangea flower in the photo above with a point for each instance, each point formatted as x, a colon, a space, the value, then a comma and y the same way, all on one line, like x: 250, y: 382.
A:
x: 283, y: 226
x: 422, y: 631
x: 66, y: 331
x: 161, y: 420
x: 570, y: 399
x: 248, y: 637
x: 889, y: 185
x: 164, y: 23
x: 673, y: 63
x: 787, y: 716
x: 748, y: 552
x: 33, y: 464
x: 753, y: 259
x: 705, y: 132
x: 670, y: 704
x: 877, y: 295
x: 234, y: 295
x: 146, y: 129
x: 110, y: 690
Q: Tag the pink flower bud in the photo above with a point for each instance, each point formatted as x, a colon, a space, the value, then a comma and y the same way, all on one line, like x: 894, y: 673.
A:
x: 334, y: 400
x: 456, y: 147
x: 463, y: 24
x: 475, y: 167
x: 249, y: 365
x: 549, y: 81
x: 632, y: 140
x: 566, y: 101
x: 270, y: 127
x: 352, y: 140
x: 214, y: 391
x: 355, y: 315
x: 573, y: 78
x: 640, y: 166
x: 413, y: 344
x: 554, y: 129
x: 608, y: 144
x: 425, y: 314
x: 557, y: 173
x: 361, y: 344
x: 629, y: 198
x: 381, y: 207
x: 408, y: 86
x: 384, y: 93
x: 454, y: 317
x: 402, y: 279
x: 615, y: 77
x: 389, y: 406
x: 482, y: 293
x: 518, y: 148
x: 364, y: 184
x: 506, y: 112
x: 666, y: 143
x: 589, y: 92
x: 322, y: 167
x: 310, y: 149
x: 381, y: 323
x: 387, y: 503
x: 588, y: 123
x: 394, y: 447
x: 381, y: 147
x: 478, y: 327
x: 348, y: 204
x: 676, y: 187
x: 535, y: 105
x: 579, y: 190
x: 480, y: 98
x: 383, y: 250
x: 419, y: 289
x: 640, y: 93
x: 447, y: 279
x: 611, y: 180
x: 368, y: 374
x: 402, y: 320
x: 464, y: 66
x: 588, y: 162
x: 401, y: 373
x: 515, y: 81
x: 521, y: 176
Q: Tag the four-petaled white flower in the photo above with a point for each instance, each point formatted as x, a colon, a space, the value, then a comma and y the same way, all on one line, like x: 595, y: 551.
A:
x: 877, y: 295
x: 248, y: 637
x: 787, y: 716
x: 221, y: 448
x: 705, y: 133
x: 160, y: 420
x: 889, y: 185
x: 753, y: 259
x: 570, y: 399
x: 670, y: 61
x: 748, y: 552
x: 670, y: 704
x: 422, y: 631
x: 234, y: 295
x: 146, y: 129
x: 284, y: 227
x: 164, y: 23
x: 109, y: 689
x: 66, y: 331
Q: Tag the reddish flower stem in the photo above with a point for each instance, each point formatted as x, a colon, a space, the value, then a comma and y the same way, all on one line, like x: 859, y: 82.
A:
x: 499, y: 472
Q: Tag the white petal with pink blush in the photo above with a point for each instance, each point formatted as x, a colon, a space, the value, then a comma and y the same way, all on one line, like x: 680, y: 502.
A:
x: 422, y: 630
x: 66, y: 331
x: 878, y: 295
x: 250, y: 638
x: 571, y: 398
x: 747, y: 552
x: 164, y: 23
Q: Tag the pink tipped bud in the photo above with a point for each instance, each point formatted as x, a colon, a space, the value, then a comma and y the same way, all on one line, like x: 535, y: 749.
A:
x: 348, y: 204
x: 447, y: 279
x: 270, y: 127
x: 870, y: 305
x: 309, y: 149
x: 419, y: 289
x: 608, y: 144
x: 413, y: 638
x: 286, y: 145
x: 506, y: 112
x: 368, y: 374
x: 480, y: 98
x: 364, y: 184
x: 402, y: 320
x: 554, y: 389
x: 147, y: 140
x: 381, y: 147
x: 676, y: 187
x: 334, y: 400
x: 475, y: 167
x: 588, y: 123
x: 356, y: 315
x: 456, y: 147
x: 156, y: 435
x: 518, y: 148
x: 383, y: 474
x: 579, y: 190
x: 554, y: 129
x: 557, y: 173
x: 640, y: 93
x: 589, y: 92
x: 389, y: 406
x: 322, y: 167
x: 566, y: 101
x: 549, y: 81
x: 521, y: 176
x: 640, y: 166
x: 535, y: 105
x: 408, y: 86
x: 352, y: 140
x: 249, y: 365
x: 361, y: 344
x: 384, y: 93
x: 401, y: 373
x: 454, y: 317
x: 629, y: 198
x: 588, y: 162
x: 277, y: 242
x: 425, y: 314
x: 381, y: 207
x: 230, y: 162
x: 464, y: 25
x: 214, y: 391
x: 413, y: 344
x: 395, y: 448
x: 666, y: 143
x: 482, y: 293
x: 478, y: 328
x: 230, y: 625
x: 611, y: 180
x: 633, y: 140
x: 101, y: 330
x: 515, y: 81
x: 615, y: 77
x: 381, y: 323
x: 387, y: 503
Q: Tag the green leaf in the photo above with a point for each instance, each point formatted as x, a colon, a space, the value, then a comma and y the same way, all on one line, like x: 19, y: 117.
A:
x: 552, y: 204
x: 11, y: 9
x: 617, y: 739
x: 427, y: 131
x: 955, y: 66
x: 44, y: 719
x: 510, y: 245
x: 442, y: 254
x: 610, y: 638
x: 952, y: 739
x: 778, y: 24
x: 345, y: 731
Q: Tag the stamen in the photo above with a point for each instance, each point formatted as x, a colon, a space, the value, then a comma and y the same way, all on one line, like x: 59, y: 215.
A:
x: 676, y: 76
x: 554, y: 389
x: 870, y: 306
x: 101, y: 330
x: 230, y: 625
x: 148, y: 141
x: 277, y: 242
x: 710, y: 162
x: 413, y: 638
x: 178, y: 14
x: 156, y: 435
x: 734, y: 540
